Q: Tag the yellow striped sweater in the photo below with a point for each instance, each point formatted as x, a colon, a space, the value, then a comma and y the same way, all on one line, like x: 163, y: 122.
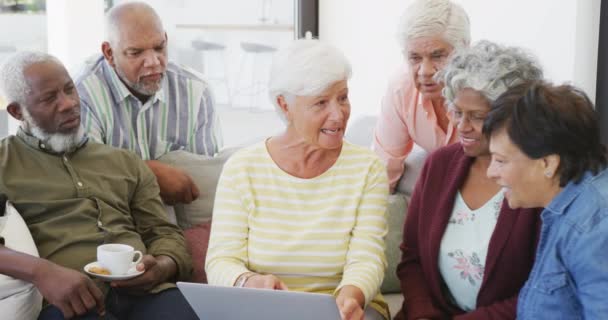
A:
x: 316, y: 234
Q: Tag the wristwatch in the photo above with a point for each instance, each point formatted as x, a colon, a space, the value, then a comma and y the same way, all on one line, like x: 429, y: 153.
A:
x: 242, y: 279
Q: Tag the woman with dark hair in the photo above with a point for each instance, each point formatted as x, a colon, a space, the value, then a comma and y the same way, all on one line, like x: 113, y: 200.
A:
x: 546, y: 152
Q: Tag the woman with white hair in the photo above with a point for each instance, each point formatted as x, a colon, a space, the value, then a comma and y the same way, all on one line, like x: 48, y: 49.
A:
x: 413, y: 109
x: 304, y: 210
x: 465, y: 253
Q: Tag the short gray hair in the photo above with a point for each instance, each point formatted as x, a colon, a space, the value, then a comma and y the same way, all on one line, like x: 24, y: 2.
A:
x: 13, y: 85
x: 430, y: 18
x: 488, y: 68
x: 114, y: 16
x: 306, y: 67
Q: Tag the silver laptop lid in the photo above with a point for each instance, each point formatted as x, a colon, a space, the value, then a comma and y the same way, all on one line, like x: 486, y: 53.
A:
x: 231, y: 303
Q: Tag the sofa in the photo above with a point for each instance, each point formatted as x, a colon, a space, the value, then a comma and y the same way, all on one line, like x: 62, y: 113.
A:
x: 22, y: 301
x: 18, y: 299
x: 195, y: 219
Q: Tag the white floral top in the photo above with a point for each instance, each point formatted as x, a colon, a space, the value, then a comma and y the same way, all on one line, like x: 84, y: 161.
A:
x: 464, y: 247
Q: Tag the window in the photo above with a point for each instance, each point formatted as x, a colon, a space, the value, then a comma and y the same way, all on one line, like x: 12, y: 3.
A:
x: 22, y: 6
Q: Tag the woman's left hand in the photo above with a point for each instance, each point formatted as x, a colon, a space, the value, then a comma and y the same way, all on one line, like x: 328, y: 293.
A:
x: 349, y: 301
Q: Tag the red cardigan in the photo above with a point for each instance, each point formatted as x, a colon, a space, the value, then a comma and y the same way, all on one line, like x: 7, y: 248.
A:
x: 510, y: 252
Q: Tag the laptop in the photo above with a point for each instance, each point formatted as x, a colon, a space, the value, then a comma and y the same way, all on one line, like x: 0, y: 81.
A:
x: 232, y: 303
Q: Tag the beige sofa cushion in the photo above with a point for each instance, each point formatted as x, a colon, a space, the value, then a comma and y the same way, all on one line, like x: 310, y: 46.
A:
x: 205, y: 171
x: 396, y: 212
x: 413, y: 166
x: 395, y: 217
x: 18, y: 299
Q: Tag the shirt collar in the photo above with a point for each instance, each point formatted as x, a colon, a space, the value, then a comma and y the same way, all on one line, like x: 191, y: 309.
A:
x: 559, y: 204
x: 120, y: 91
x: 40, y: 145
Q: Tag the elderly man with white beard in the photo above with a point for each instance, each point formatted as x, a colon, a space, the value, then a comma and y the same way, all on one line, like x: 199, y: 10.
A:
x: 76, y: 194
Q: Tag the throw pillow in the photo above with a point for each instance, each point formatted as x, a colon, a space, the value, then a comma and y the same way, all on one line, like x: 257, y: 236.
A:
x: 18, y: 299
x: 197, y: 239
x: 395, y: 217
x: 205, y: 171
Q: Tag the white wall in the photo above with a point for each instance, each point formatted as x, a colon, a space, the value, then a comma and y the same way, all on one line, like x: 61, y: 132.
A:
x: 24, y: 31
x: 563, y: 34
x: 365, y: 31
x: 75, y: 29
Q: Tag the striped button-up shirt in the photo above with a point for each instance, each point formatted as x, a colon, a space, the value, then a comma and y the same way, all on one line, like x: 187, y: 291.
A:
x: 180, y: 116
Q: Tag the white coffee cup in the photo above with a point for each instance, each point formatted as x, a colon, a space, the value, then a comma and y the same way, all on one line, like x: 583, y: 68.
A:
x: 118, y: 258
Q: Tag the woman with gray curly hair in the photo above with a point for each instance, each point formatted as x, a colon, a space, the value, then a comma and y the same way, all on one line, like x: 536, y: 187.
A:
x: 413, y: 109
x: 461, y: 239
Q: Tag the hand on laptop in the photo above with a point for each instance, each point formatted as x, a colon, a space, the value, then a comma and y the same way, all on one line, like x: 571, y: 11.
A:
x: 265, y: 281
x: 350, y: 301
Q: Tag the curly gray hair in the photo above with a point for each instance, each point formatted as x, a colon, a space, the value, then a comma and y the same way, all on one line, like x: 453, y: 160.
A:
x: 13, y: 85
x: 488, y: 68
x: 429, y: 18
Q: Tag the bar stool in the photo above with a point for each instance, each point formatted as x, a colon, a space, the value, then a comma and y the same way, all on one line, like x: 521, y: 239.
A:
x: 252, y: 53
x: 206, y: 49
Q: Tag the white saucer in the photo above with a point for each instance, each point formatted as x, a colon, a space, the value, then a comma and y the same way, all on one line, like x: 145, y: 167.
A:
x: 132, y: 273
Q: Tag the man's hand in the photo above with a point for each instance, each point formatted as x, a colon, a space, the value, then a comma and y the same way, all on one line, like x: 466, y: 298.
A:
x: 175, y: 185
x: 265, y: 281
x: 70, y: 291
x: 350, y: 301
x: 156, y: 271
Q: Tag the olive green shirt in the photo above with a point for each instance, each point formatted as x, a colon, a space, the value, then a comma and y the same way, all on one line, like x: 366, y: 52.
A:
x: 97, y: 194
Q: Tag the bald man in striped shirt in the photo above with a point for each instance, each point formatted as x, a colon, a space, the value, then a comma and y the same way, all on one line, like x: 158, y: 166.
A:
x: 134, y: 98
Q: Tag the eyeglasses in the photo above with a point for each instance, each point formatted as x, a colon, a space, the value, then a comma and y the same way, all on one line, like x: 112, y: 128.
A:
x: 475, y: 118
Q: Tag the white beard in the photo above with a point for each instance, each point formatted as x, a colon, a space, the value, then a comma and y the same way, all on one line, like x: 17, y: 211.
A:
x: 57, y: 142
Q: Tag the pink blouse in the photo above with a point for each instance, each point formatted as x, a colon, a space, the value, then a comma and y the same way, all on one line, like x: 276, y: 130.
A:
x: 406, y: 118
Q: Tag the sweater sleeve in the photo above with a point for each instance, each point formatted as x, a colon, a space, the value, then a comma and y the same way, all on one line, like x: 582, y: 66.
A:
x: 418, y: 302
x: 365, y: 259
x: 227, y: 253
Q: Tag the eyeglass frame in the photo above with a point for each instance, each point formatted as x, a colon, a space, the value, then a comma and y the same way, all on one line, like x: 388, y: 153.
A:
x: 474, y: 119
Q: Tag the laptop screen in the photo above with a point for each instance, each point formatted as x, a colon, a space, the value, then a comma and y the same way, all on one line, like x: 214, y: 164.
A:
x: 227, y: 303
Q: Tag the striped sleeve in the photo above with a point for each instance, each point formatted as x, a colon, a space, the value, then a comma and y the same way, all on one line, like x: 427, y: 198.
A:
x: 207, y: 137
x: 365, y: 259
x: 227, y: 252
x: 91, y: 123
